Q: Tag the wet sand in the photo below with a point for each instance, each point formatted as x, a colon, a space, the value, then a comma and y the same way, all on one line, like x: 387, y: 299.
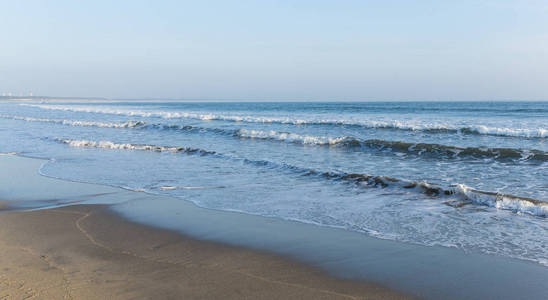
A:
x: 89, y: 252
x: 96, y: 241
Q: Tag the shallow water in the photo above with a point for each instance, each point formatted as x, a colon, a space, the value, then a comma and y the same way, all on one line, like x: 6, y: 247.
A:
x: 473, y: 176
x: 424, y: 272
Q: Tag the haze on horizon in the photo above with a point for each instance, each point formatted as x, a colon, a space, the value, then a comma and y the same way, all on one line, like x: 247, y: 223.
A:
x: 276, y: 50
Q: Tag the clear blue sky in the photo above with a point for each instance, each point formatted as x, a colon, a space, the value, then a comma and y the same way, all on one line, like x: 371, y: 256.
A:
x: 277, y: 50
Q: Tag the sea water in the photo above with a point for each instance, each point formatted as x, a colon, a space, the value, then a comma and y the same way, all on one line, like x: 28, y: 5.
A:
x: 468, y: 175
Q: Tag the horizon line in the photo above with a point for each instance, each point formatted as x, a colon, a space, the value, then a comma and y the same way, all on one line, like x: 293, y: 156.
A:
x: 180, y: 99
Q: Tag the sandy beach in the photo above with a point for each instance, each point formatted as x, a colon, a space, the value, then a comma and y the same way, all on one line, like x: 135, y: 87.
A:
x: 274, y: 150
x: 90, y: 252
x: 69, y: 240
x: 87, y: 252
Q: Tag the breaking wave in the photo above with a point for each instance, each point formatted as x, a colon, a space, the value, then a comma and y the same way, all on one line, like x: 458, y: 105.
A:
x: 370, y: 124
x: 420, y: 149
x: 128, y: 124
x: 399, y: 146
x: 464, y: 193
x: 111, y: 145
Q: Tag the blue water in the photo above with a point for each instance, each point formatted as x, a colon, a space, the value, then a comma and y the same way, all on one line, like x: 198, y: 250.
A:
x: 469, y: 175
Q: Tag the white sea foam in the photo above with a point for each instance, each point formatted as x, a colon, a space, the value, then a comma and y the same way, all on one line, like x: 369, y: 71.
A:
x: 169, y: 187
x: 517, y: 132
x: 501, y: 201
x: 118, y: 146
x: 497, y: 200
x: 373, y: 124
x: 398, y: 146
x: 128, y: 124
x: 290, y: 137
x: 9, y: 153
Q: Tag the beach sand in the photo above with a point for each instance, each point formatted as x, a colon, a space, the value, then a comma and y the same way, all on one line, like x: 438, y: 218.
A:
x: 86, y: 245
x: 89, y: 252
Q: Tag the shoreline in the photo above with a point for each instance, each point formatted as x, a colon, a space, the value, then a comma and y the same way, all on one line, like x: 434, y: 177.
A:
x: 419, y: 271
x: 90, y: 251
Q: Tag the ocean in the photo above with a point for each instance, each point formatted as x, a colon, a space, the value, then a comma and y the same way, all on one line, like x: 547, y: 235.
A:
x: 465, y: 175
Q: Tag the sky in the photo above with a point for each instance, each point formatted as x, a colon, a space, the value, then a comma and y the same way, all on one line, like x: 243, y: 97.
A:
x: 276, y: 50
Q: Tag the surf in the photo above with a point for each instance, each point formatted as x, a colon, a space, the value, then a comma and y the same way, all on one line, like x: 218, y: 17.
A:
x: 478, y: 129
x: 463, y: 193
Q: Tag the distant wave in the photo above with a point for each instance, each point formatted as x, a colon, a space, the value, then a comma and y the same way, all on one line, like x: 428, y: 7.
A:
x: 399, y: 146
x: 170, y: 187
x: 501, y: 131
x: 111, y: 145
x: 369, y: 124
x: 420, y: 149
x: 128, y: 124
x: 463, y: 192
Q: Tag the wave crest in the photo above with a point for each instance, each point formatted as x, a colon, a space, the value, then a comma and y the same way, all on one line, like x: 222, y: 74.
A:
x: 142, y: 147
x: 128, y: 124
x: 369, y: 124
x: 421, y: 149
x: 399, y: 146
x: 463, y: 192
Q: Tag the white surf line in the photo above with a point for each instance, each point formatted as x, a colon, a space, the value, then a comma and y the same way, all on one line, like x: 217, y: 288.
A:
x: 8, y: 153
